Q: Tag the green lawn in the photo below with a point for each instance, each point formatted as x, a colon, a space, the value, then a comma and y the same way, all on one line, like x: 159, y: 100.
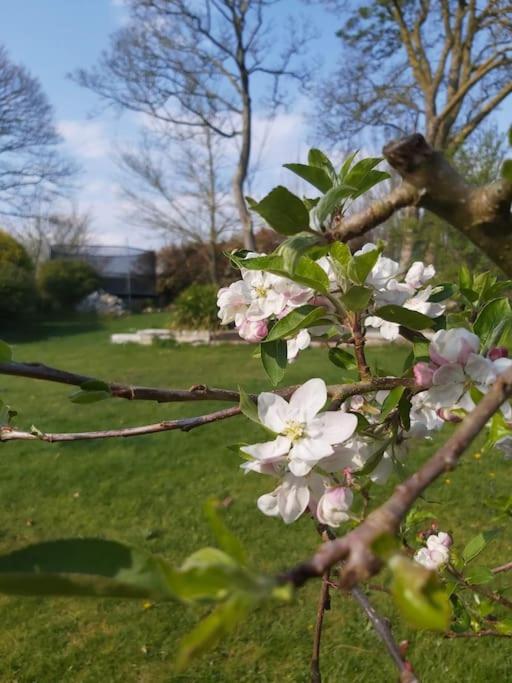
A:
x: 148, y: 491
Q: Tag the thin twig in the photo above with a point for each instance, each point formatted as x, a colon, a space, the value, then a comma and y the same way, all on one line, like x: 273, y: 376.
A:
x: 383, y: 630
x: 477, y: 634
x: 481, y: 590
x: 185, y: 424
x: 502, y: 568
x: 324, y: 604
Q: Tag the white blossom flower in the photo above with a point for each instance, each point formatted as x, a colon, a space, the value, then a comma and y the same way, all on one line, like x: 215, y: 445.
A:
x: 419, y: 302
x: 304, y: 436
x: 354, y: 454
x: 291, y: 498
x: 333, y: 506
x: 419, y: 274
x: 453, y: 346
x: 233, y: 302
x: 253, y: 331
x: 298, y: 343
x: 437, y: 552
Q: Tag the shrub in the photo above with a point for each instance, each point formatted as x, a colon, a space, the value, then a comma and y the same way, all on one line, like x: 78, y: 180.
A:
x: 17, y: 291
x: 196, y: 308
x: 64, y: 282
x: 11, y: 251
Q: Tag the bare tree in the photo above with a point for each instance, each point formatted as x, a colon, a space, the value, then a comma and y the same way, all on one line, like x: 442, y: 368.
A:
x: 177, y: 185
x: 46, y: 228
x: 31, y: 167
x: 442, y: 66
x: 194, y: 64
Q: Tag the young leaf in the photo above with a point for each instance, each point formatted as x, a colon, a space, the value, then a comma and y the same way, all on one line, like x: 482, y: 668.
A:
x: 294, y: 247
x: 5, y: 352
x: 419, y: 595
x: 359, y: 266
x: 274, y: 359
x: 495, y: 313
x: 315, y: 175
x: 84, y: 566
x: 283, y: 211
x: 391, y: 401
x: 357, y: 298
x: 477, y: 575
x: 341, y: 358
x: 404, y: 316
x: 478, y: 543
x: 331, y: 200
x: 247, y: 406
x: 224, y: 537
x: 317, y: 158
x: 213, y: 629
x: 346, y: 165
x: 298, y: 319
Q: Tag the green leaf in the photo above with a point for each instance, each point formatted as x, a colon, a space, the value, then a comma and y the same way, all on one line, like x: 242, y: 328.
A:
x: 496, y: 313
x: 341, y: 358
x: 391, y: 401
x: 362, y: 176
x: 294, y: 247
x: 274, y: 359
x: 317, y: 158
x: 211, y: 630
x: 299, y: 318
x: 465, y: 278
x: 442, y: 292
x: 346, y: 165
x: 306, y: 271
x: 84, y: 397
x: 341, y: 253
x: 86, y: 566
x: 419, y: 595
x: 331, y: 200
x: 315, y: 175
x: 506, y: 170
x: 357, y: 298
x: 283, y: 211
x: 477, y: 544
x: 224, y: 537
x: 91, y: 391
x: 5, y: 352
x: 478, y: 575
x: 247, y: 406
x: 361, y: 265
x: 403, y: 316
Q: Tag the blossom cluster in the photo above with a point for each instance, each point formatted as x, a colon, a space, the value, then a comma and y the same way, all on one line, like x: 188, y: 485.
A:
x: 259, y: 297
x: 391, y: 286
x: 436, y: 554
x: 321, y: 458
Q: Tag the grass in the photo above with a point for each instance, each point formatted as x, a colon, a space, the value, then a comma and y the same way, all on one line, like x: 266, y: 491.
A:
x: 148, y: 491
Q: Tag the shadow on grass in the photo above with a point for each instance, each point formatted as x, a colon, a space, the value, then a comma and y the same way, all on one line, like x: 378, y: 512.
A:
x: 40, y: 327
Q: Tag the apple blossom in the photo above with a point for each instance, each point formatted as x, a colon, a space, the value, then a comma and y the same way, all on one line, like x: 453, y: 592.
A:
x: 253, y: 331
x: 292, y: 497
x: 436, y: 553
x: 303, y: 435
x: 423, y: 373
x: 453, y: 346
x: 298, y: 343
x: 419, y: 274
x: 333, y: 506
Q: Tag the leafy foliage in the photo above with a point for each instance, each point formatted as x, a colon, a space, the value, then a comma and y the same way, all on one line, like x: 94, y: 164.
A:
x: 63, y: 283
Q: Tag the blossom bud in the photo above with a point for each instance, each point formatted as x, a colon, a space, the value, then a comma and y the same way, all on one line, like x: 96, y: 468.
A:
x: 448, y: 415
x: 333, y: 505
x: 453, y: 346
x: 253, y: 330
x: 423, y: 374
x: 498, y: 352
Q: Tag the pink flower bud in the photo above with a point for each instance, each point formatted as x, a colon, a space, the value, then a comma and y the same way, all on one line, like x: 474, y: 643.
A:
x: 333, y: 506
x: 423, y: 374
x: 498, y: 352
x: 253, y: 330
x: 448, y: 416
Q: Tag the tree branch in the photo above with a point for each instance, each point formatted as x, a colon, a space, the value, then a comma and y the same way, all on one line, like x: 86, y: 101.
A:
x: 383, y: 630
x: 480, y: 213
x: 356, y: 546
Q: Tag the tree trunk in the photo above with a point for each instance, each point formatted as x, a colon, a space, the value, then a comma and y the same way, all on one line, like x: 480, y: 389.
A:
x: 242, y: 170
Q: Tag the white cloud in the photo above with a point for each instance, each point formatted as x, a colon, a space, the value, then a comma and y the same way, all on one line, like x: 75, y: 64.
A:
x: 85, y: 139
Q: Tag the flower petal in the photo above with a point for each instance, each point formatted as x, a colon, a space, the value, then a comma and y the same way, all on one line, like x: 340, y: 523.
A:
x: 292, y: 498
x: 336, y: 427
x: 268, y: 450
x: 309, y: 399
x: 273, y: 411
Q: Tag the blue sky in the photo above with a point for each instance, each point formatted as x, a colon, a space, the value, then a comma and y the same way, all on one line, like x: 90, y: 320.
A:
x: 53, y: 37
